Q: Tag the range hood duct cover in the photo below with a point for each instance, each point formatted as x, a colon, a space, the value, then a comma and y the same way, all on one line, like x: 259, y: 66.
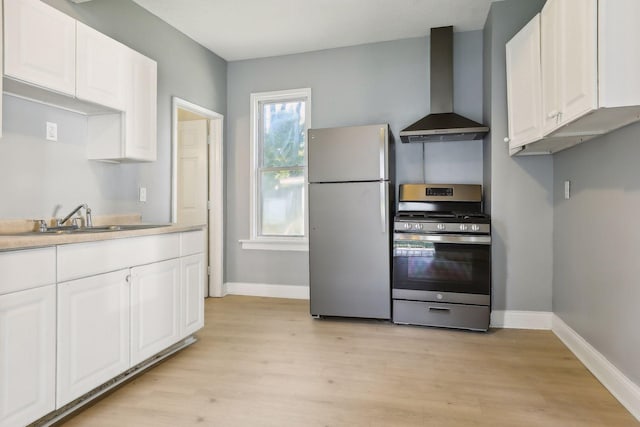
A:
x: 442, y: 124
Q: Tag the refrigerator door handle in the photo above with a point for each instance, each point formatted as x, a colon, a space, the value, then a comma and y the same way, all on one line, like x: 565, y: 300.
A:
x: 383, y: 139
x: 383, y: 205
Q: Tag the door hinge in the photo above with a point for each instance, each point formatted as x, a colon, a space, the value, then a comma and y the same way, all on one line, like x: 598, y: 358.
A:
x: 208, y: 270
x: 208, y: 204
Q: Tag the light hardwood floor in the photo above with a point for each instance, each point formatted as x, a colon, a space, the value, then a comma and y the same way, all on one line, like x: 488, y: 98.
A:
x: 266, y: 362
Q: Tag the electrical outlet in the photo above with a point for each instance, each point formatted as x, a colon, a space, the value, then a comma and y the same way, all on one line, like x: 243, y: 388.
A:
x: 567, y: 189
x: 52, y: 131
x: 143, y: 194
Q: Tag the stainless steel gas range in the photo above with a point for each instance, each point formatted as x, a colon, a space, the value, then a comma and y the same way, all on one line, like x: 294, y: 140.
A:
x: 442, y: 257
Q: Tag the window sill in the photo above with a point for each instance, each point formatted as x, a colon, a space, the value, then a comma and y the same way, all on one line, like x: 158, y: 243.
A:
x: 301, y: 245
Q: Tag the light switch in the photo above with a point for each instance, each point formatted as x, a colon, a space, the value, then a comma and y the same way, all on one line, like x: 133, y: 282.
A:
x: 52, y: 131
x: 143, y: 194
x: 567, y: 189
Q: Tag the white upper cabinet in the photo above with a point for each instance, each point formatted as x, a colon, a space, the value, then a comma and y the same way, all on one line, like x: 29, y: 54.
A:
x: 549, y: 58
x: 102, y: 68
x: 523, y: 85
x: 1, y: 65
x: 135, y: 138
x: 40, y: 45
x: 141, y: 118
x: 569, y: 58
x: 589, y: 62
x: 52, y: 58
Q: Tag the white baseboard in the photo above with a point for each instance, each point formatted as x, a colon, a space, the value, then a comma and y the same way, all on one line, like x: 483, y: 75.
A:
x: 266, y: 290
x: 514, y: 319
x: 622, y: 388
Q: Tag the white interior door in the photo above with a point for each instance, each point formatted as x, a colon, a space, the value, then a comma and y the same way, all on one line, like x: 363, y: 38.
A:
x: 208, y: 169
x: 192, y: 172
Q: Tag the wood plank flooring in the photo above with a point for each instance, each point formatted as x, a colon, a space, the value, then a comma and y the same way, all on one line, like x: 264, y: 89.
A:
x: 266, y: 362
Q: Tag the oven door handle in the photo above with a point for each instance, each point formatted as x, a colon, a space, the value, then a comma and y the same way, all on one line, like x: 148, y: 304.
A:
x: 443, y: 238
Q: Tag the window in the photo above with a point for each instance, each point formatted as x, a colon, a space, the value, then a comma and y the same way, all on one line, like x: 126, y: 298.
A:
x: 279, y: 124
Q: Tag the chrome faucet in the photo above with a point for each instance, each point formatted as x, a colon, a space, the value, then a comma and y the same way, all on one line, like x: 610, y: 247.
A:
x: 89, y: 223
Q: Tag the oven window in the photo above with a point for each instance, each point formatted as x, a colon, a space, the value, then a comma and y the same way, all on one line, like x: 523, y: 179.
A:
x: 447, y: 267
x: 444, y: 268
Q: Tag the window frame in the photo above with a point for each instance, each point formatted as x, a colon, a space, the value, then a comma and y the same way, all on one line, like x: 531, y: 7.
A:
x: 282, y: 243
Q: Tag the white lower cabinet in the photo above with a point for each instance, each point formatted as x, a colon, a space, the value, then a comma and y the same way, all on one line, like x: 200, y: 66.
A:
x: 155, y: 308
x: 27, y: 355
x: 116, y: 303
x: 192, y: 269
x: 93, y: 333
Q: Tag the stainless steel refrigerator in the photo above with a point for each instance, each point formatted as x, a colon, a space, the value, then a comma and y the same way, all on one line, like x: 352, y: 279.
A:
x: 350, y: 218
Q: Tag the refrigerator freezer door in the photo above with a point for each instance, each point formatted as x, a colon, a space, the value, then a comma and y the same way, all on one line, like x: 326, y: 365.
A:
x: 357, y: 153
x: 349, y: 250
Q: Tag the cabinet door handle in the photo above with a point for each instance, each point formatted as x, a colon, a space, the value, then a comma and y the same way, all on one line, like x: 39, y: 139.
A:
x: 552, y: 114
x: 128, y: 278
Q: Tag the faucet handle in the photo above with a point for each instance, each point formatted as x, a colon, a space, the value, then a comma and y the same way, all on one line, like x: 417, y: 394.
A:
x: 89, y: 221
x: 40, y: 225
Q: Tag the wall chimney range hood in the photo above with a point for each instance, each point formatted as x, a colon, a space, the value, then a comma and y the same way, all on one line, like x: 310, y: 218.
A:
x: 442, y: 124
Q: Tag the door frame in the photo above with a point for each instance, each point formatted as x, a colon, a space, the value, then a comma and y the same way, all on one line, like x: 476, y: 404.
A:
x: 215, y: 172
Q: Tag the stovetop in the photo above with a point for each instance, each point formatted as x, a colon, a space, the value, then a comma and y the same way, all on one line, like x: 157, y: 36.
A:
x: 434, y: 222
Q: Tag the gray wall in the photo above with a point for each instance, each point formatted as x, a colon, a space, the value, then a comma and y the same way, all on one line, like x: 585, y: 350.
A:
x: 373, y: 83
x: 597, y: 245
x: 521, y: 196
x: 58, y: 172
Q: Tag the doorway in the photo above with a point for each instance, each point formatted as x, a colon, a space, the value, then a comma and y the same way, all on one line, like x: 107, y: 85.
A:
x: 198, y: 181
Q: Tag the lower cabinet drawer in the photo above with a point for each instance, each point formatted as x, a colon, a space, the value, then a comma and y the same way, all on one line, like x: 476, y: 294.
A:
x: 475, y: 317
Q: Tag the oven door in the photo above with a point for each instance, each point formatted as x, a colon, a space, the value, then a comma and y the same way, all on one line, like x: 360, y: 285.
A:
x: 444, y: 267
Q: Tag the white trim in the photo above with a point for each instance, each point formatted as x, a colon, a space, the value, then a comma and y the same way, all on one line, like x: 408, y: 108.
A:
x: 255, y: 99
x: 622, y: 388
x: 515, y: 319
x: 276, y: 245
x: 216, y: 209
x: 267, y: 290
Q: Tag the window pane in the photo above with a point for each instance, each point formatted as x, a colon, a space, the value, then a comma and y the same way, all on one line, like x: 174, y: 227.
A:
x: 283, y: 134
x: 282, y: 203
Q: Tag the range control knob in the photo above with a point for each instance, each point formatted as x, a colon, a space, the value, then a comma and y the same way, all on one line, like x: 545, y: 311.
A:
x: 417, y: 226
x: 441, y: 227
x: 407, y: 226
x: 463, y: 227
x: 475, y: 227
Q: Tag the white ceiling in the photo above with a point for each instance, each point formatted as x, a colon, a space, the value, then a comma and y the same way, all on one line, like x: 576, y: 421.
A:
x: 243, y: 29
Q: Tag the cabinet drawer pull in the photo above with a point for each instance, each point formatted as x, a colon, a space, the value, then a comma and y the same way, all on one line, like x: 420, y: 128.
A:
x: 439, y: 309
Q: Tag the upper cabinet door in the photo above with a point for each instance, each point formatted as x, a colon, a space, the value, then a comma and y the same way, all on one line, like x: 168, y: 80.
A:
x: 524, y: 92
x: 579, y: 58
x: 569, y: 53
x: 102, y: 70
x: 40, y: 45
x: 550, y: 58
x: 141, y: 110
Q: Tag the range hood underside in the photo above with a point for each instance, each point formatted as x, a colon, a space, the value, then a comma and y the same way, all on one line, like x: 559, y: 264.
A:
x: 443, y: 127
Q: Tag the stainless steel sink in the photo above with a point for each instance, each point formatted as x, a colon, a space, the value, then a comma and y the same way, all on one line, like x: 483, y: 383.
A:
x: 117, y: 227
x: 95, y: 229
